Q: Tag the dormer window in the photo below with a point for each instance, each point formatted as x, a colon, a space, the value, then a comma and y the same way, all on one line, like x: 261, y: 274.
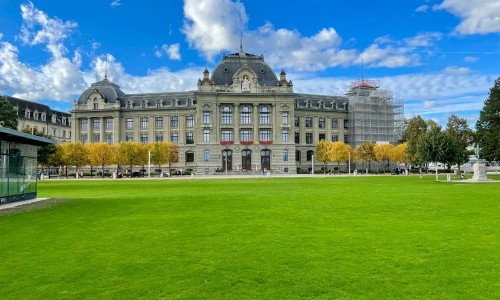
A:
x: 44, y: 117
x: 96, y: 104
x: 27, y: 114
x: 35, y: 115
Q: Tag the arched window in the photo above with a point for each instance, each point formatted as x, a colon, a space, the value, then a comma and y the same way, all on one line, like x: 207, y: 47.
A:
x: 245, y: 115
x: 285, y: 155
x: 265, y: 113
x: 227, y: 115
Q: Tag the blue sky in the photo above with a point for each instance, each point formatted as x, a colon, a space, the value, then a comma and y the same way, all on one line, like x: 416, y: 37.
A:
x: 440, y: 56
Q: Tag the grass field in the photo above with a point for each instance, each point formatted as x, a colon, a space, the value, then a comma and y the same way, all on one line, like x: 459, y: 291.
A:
x: 266, y: 238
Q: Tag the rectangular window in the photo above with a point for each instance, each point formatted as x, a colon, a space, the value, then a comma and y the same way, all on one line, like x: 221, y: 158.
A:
x: 129, y: 123
x: 144, y: 138
x: 335, y: 123
x: 346, y: 139
x: 159, y: 122
x: 227, y: 115
x: 96, y: 105
x: 174, y: 137
x: 206, y: 136
x: 109, y: 123
x: 159, y: 137
x: 189, y: 156
x: 96, y: 138
x: 227, y: 135
x: 109, y: 138
x: 265, y: 135
x: 321, y: 137
x: 96, y: 124
x: 129, y: 137
x: 84, y: 138
x: 206, y: 117
x: 284, y: 136
x: 54, y: 132
x: 144, y: 122
x: 245, y: 135
x: 297, y: 138
x: 189, y: 138
x: 321, y: 122
x: 206, y: 155
x: 309, y: 138
x: 174, y: 122
x: 346, y: 124
x: 335, y: 137
x: 265, y: 115
x: 64, y: 133
x: 296, y: 121
x: 284, y: 118
x: 309, y: 122
x: 189, y: 122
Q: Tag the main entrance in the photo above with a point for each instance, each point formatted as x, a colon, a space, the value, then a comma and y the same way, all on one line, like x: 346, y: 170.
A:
x: 227, y: 160
x: 246, y: 160
x: 265, y: 159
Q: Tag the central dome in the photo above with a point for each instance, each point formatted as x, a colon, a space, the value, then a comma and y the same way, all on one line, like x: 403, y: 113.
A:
x: 224, y: 72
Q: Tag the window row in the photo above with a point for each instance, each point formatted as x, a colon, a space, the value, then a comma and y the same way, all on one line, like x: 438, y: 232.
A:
x: 321, y: 136
x: 321, y: 123
x: 246, y: 116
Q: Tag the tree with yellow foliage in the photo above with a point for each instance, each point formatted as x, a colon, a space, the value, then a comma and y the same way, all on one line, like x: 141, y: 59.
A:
x: 384, y: 152
x: 130, y: 154
x: 161, y: 153
x: 364, y: 153
x: 100, y: 154
x: 324, y: 153
x: 400, y: 154
x: 340, y: 152
x: 75, y: 154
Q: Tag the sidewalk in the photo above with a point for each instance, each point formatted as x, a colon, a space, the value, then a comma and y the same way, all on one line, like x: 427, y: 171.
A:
x: 19, y: 203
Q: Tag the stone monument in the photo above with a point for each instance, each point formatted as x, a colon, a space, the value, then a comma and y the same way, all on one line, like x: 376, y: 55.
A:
x: 479, y: 172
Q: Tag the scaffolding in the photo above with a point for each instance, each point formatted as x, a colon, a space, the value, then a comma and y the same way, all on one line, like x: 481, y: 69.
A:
x: 374, y: 114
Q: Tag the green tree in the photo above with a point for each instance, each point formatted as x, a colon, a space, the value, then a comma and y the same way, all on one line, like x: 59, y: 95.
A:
x: 488, y: 126
x: 461, y: 136
x: 413, y: 135
x: 8, y: 115
x: 435, y: 145
x: 364, y: 153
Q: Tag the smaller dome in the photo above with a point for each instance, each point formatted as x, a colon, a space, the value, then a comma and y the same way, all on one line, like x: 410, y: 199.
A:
x: 106, y: 88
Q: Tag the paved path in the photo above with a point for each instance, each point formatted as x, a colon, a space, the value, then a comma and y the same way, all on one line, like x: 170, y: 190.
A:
x: 19, y: 203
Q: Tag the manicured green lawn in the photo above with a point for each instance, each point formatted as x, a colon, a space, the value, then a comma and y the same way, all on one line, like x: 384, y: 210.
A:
x: 266, y: 238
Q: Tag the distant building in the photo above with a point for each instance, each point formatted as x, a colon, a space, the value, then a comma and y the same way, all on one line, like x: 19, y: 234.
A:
x: 241, y: 118
x: 33, y: 115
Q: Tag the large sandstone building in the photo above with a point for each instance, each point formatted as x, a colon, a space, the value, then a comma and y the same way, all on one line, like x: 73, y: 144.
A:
x: 242, y: 118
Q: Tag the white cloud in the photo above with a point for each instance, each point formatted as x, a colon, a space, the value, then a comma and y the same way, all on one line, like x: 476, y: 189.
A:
x: 172, y: 51
x: 471, y: 59
x: 477, y: 16
x: 213, y: 25
x: 116, y: 3
x: 1, y: 36
x: 60, y: 78
x: 429, y: 104
x: 422, y: 8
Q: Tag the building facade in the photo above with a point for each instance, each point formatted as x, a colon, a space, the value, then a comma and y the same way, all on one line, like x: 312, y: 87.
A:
x: 242, y: 118
x: 40, y: 117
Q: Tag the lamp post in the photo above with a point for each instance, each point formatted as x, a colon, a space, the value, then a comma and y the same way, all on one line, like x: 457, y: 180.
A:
x: 312, y: 163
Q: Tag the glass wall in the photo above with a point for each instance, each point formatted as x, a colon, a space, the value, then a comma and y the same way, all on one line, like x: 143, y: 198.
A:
x: 18, y: 171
